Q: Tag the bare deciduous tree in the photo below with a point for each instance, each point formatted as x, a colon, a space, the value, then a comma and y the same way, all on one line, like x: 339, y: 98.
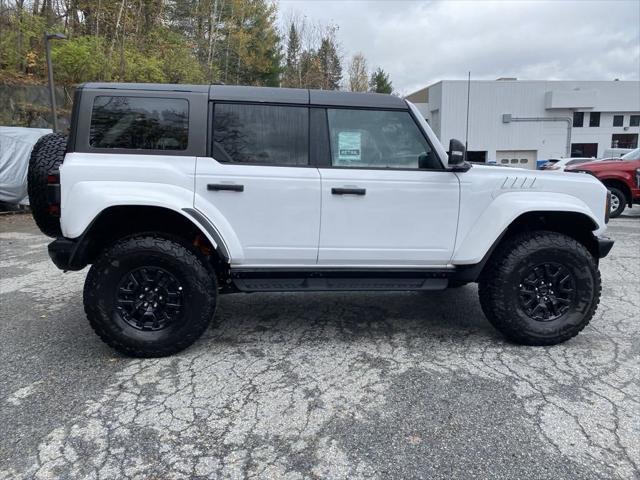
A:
x: 358, y: 73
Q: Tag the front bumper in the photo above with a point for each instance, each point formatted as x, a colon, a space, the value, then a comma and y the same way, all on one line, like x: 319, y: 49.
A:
x: 604, y: 246
x: 63, y: 253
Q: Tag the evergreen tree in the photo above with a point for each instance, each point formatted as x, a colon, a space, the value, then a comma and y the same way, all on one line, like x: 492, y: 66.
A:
x: 311, y: 70
x: 292, y: 74
x: 380, y: 82
x: 330, y: 67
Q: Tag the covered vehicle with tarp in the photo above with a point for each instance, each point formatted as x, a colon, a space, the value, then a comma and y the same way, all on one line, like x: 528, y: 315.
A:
x: 16, y: 144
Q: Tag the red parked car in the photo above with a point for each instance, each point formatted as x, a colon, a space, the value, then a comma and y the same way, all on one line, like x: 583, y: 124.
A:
x: 620, y: 176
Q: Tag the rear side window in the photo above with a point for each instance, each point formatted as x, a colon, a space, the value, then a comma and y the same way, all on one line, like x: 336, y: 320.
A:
x: 139, y: 123
x: 261, y: 134
x: 376, y: 139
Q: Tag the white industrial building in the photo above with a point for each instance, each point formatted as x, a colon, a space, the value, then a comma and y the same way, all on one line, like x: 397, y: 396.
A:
x: 524, y: 122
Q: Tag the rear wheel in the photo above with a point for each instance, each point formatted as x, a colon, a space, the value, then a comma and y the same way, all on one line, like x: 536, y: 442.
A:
x: 47, y: 155
x: 149, y: 296
x: 618, y: 202
x: 541, y: 288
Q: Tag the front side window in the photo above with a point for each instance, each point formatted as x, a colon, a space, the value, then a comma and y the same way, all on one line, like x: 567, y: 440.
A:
x: 634, y: 121
x: 618, y: 120
x: 377, y: 139
x: 261, y: 134
x: 139, y: 123
x: 594, y: 119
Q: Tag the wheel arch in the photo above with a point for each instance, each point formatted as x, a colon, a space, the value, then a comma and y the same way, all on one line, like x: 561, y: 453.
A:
x: 118, y: 221
x: 621, y: 185
x: 576, y: 225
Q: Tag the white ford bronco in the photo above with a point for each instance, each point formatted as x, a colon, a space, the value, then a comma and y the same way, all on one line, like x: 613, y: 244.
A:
x: 175, y: 194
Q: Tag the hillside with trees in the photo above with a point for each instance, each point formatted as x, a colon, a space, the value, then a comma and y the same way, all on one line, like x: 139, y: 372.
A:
x: 235, y: 42
x: 176, y: 41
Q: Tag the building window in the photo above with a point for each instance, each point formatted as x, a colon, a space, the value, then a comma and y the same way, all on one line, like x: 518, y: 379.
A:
x: 261, y: 134
x: 578, y: 119
x: 594, y: 119
x: 634, y: 121
x: 477, y: 156
x: 618, y: 120
x: 585, y: 150
x: 624, y: 140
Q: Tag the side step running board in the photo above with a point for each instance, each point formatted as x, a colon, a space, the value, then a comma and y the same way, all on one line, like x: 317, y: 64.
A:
x: 291, y: 281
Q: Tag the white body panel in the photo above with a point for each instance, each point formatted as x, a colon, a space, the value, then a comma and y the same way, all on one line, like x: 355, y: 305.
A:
x: 492, y: 197
x: 406, y: 217
x: 274, y: 221
x: 92, y: 182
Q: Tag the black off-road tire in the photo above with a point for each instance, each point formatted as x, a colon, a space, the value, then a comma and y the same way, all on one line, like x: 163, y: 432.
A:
x: 103, y: 291
x: 47, y: 155
x: 622, y: 202
x: 500, y: 287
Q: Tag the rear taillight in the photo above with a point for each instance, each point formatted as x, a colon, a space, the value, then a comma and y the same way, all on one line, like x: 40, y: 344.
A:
x: 53, y: 193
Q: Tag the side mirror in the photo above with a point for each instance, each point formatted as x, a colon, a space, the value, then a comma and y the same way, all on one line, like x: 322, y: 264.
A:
x: 456, y: 156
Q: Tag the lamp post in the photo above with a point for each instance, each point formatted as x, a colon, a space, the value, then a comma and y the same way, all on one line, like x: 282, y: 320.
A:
x: 52, y: 94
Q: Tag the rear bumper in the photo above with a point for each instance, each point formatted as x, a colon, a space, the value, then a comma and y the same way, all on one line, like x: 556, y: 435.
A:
x: 62, y: 252
x: 604, y: 246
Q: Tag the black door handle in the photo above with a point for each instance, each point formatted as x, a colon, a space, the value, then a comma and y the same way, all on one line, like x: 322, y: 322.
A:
x: 348, y: 191
x: 229, y: 187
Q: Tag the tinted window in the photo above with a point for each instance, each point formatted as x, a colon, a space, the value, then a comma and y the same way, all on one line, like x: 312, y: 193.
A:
x: 624, y: 140
x: 261, y: 134
x: 139, y: 123
x: 634, y: 121
x: 578, y: 119
x: 594, y: 119
x: 618, y: 120
x: 379, y: 139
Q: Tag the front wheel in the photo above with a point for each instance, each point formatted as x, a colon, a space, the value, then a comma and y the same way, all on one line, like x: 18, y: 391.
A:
x: 148, y: 296
x: 541, y: 288
x: 618, y: 202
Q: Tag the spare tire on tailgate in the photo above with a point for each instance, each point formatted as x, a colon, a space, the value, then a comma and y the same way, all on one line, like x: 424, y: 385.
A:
x: 47, y: 155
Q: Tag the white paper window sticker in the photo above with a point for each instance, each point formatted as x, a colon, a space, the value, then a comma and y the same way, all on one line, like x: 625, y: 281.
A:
x: 349, y: 147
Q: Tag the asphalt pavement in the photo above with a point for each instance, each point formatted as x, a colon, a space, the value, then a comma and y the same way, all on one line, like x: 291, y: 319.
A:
x: 326, y: 385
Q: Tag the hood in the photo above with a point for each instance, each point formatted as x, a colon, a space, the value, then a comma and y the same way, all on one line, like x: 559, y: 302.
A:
x: 600, y: 163
x: 495, y: 166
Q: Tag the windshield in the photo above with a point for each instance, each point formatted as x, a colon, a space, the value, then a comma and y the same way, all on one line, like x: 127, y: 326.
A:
x: 632, y: 155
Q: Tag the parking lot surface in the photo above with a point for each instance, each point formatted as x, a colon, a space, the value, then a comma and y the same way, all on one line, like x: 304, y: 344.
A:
x: 327, y: 385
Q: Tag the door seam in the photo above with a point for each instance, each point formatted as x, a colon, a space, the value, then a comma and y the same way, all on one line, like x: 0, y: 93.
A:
x: 320, y: 219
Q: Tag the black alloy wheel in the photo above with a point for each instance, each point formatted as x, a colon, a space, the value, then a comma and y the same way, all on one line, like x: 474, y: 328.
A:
x: 547, y: 291
x: 149, y: 298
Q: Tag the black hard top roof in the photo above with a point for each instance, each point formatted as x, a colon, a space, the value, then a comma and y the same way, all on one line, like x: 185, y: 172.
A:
x: 300, y: 96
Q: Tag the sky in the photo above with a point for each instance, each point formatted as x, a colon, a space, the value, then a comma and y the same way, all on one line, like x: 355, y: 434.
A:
x: 421, y: 42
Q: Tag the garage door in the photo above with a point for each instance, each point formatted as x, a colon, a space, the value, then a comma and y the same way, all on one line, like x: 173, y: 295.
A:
x: 517, y: 158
